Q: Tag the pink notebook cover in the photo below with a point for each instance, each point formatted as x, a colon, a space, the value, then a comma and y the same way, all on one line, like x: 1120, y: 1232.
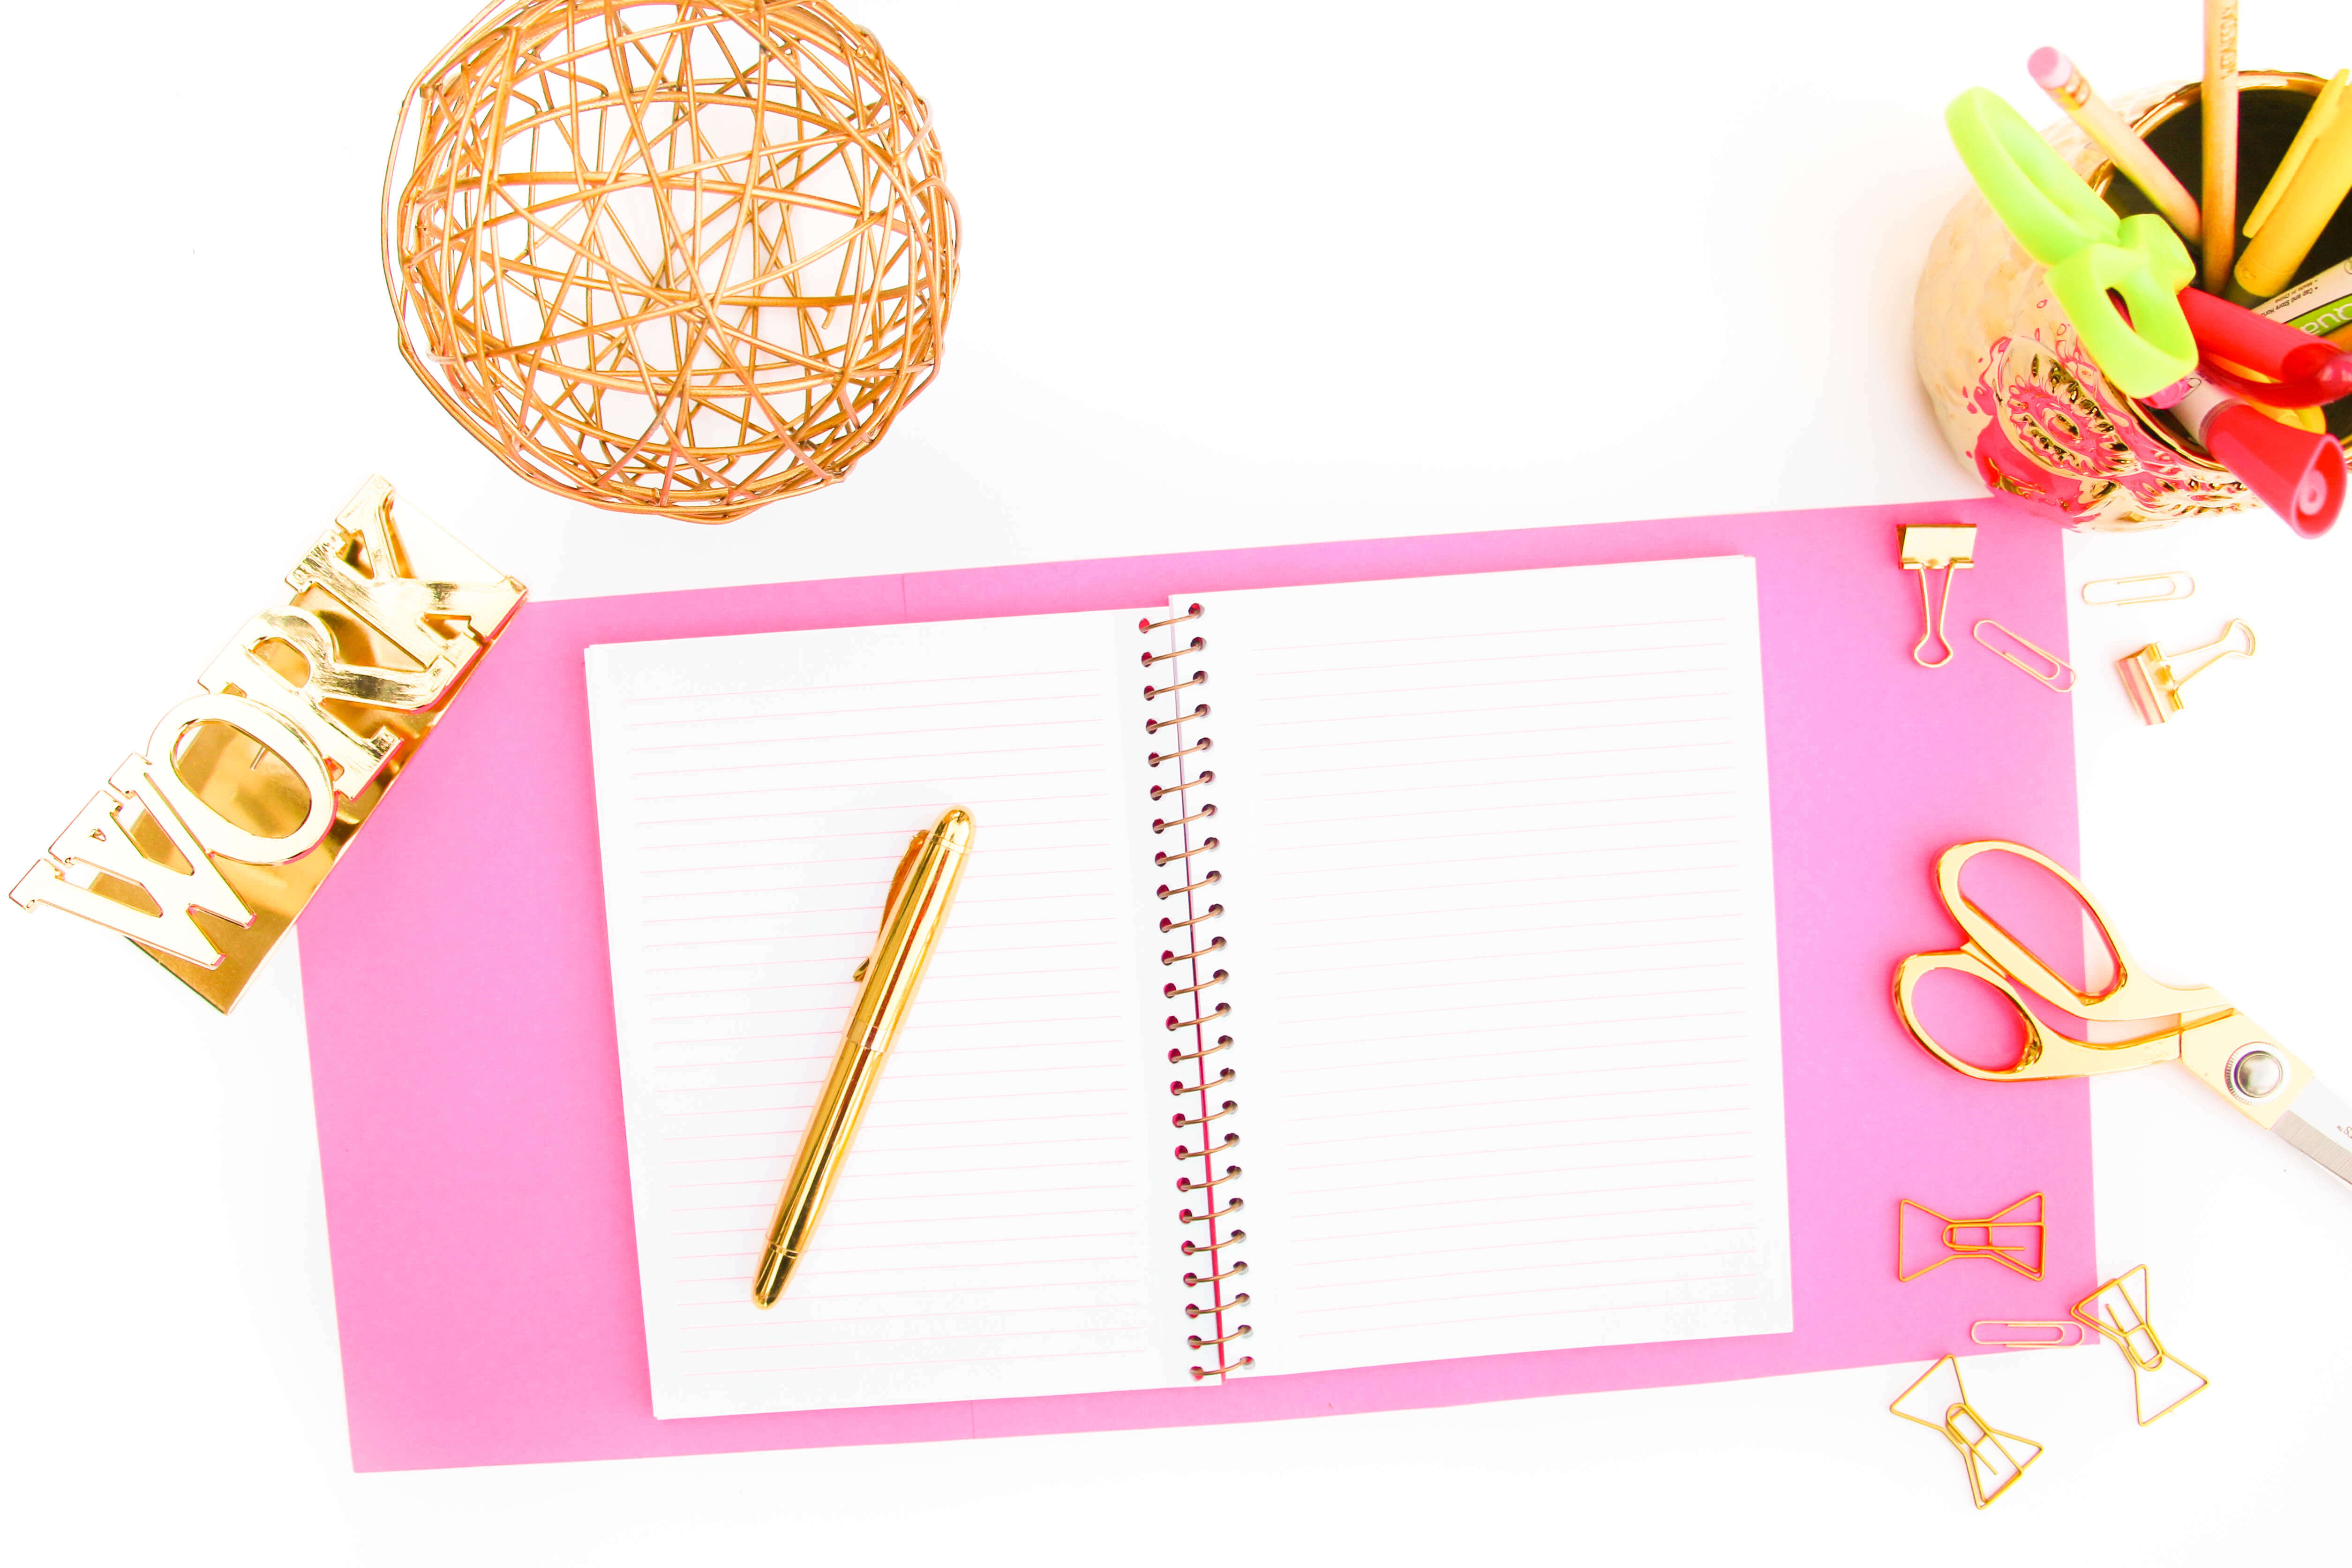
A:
x: 468, y: 1087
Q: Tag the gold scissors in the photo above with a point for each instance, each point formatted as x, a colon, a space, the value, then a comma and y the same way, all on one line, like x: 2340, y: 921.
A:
x: 2230, y: 1052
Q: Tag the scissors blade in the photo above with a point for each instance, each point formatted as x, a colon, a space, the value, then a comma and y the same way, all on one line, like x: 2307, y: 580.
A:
x: 2320, y: 1124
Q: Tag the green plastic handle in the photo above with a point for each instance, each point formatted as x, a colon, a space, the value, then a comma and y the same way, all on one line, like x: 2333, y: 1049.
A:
x: 2061, y: 223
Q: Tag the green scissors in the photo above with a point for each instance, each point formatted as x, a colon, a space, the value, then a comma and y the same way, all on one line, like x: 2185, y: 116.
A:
x: 2093, y: 255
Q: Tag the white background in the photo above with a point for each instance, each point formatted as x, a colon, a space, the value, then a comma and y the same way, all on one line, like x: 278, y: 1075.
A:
x: 1232, y: 275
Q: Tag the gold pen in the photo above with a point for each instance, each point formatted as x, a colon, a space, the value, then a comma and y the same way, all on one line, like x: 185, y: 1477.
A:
x: 913, y: 915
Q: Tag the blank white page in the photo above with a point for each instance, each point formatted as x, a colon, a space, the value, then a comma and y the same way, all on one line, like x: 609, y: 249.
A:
x: 1497, y: 858
x: 987, y: 1236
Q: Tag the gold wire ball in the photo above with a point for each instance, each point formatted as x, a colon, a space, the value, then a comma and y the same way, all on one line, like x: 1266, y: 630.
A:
x: 669, y: 257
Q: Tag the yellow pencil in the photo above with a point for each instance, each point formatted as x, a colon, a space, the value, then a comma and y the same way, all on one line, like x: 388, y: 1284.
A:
x: 2280, y: 248
x: 2219, y: 100
x: 2063, y: 80
x: 2323, y: 109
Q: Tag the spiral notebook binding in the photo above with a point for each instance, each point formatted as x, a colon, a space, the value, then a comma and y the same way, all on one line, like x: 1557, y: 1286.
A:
x: 1200, y: 1090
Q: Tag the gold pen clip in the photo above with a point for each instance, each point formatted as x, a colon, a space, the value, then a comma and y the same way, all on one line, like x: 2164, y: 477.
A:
x: 1946, y: 548
x: 898, y: 891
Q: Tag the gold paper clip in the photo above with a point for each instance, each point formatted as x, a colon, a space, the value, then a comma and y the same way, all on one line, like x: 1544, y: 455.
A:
x: 2059, y: 677
x: 2065, y: 1335
x: 2019, y: 1245
x: 2119, y: 1310
x: 2183, y: 586
x: 2149, y: 675
x: 1995, y: 1458
x: 1946, y: 548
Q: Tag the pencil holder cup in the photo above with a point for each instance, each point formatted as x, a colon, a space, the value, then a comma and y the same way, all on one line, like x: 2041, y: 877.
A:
x: 2017, y: 397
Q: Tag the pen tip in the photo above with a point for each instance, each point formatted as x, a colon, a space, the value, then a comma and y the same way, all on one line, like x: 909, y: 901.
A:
x: 775, y: 1273
x: 2048, y: 67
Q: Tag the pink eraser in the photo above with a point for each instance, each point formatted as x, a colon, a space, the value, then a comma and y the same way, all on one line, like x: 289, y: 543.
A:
x: 2048, y: 67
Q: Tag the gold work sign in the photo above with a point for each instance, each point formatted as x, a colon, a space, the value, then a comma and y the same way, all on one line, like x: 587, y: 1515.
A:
x: 203, y: 848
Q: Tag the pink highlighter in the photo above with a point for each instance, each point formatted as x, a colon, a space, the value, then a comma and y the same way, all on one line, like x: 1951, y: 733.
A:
x: 2302, y: 371
x: 2298, y: 474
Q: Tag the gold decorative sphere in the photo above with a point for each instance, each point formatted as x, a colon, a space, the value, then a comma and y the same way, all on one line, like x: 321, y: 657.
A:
x: 669, y: 257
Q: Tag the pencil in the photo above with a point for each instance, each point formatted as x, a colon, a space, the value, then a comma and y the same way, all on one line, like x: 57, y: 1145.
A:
x: 2323, y: 109
x: 2063, y: 80
x: 2283, y: 243
x: 2220, y: 101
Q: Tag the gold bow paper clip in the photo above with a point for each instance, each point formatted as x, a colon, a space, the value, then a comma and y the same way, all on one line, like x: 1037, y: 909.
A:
x: 1995, y: 1458
x: 2015, y: 1237
x: 2119, y: 1310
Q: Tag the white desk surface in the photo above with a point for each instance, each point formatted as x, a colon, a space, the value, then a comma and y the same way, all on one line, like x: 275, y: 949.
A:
x: 1233, y: 275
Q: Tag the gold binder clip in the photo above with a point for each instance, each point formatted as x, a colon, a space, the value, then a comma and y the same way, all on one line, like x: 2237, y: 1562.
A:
x: 2119, y: 1310
x: 1946, y: 548
x: 2058, y: 677
x: 1996, y: 1460
x: 2014, y: 1238
x: 2154, y: 687
x: 2178, y: 585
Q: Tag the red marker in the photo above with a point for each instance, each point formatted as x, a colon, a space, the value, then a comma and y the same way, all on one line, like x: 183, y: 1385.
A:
x: 2297, y: 474
x: 2304, y: 370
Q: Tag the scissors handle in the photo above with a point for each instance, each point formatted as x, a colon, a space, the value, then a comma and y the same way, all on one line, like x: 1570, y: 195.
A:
x: 2093, y: 255
x: 2046, y: 1053
x: 2130, y: 997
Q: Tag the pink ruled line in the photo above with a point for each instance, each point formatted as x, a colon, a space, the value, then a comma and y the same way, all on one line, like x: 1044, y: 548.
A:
x: 1455, y: 1227
x: 1492, y: 980
x: 791, y: 788
x: 831, y: 1246
x: 1485, y: 659
x: 1505, y: 1245
x: 1465, y: 785
x: 929, y: 1291
x: 1548, y: 1050
x: 1427, y: 1181
x: 1555, y: 1312
x: 1612, y: 1120
x: 841, y: 762
x: 822, y: 812
x: 1464, y: 710
x: 1524, y: 832
x: 1457, y: 763
x: 1568, y: 1192
x: 866, y: 1173
x: 1479, y: 735
x: 1554, y: 630
x: 1580, y: 877
x: 1490, y: 1007
x: 1429, y: 1110
x: 1386, y: 689
x: 1461, y: 1273
x: 923, y: 1219
x: 837, y: 686
x: 1404, y: 1156
x: 1304, y: 971
x: 900, y: 1100
x: 793, y: 1131
x: 1323, y: 819
x: 994, y: 874
x: 846, y: 1198
x: 1136, y: 1349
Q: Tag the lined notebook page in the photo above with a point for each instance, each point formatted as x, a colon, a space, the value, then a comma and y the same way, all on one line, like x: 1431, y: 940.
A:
x: 1497, y: 862
x: 987, y: 1235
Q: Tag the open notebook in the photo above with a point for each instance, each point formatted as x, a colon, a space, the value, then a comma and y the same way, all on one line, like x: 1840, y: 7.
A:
x: 1344, y: 974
